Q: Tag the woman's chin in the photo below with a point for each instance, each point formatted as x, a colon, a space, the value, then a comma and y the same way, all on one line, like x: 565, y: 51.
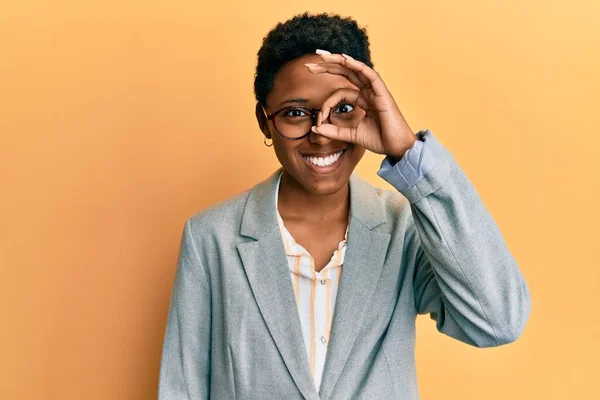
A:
x: 324, y: 187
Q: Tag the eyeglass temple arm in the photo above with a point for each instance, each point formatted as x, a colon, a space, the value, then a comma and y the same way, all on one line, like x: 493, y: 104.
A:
x: 269, y: 116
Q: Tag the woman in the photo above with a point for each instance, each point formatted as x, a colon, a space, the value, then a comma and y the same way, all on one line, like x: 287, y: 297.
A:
x: 307, y: 286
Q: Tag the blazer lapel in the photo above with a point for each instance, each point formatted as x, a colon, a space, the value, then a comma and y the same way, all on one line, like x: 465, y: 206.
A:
x: 363, y: 262
x: 266, y: 267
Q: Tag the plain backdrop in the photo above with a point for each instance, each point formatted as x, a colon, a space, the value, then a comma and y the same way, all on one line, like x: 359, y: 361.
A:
x: 120, y: 119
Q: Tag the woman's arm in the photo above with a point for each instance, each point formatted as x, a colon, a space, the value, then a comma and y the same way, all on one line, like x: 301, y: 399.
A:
x: 185, y: 364
x: 465, y: 276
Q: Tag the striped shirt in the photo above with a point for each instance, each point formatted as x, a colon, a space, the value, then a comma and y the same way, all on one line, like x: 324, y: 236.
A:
x: 315, y: 293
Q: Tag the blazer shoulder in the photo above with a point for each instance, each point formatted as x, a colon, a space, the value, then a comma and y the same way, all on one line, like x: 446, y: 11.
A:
x: 223, y: 221
x: 394, y: 203
x: 398, y: 213
x: 222, y: 216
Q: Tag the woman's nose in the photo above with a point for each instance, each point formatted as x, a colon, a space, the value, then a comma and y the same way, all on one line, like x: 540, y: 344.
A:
x: 319, y: 139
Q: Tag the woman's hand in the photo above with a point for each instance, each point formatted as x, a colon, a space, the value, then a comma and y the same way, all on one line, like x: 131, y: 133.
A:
x: 383, y: 130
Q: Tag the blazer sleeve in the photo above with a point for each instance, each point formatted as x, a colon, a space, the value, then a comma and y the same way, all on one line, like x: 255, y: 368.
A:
x: 464, y: 275
x: 185, y: 363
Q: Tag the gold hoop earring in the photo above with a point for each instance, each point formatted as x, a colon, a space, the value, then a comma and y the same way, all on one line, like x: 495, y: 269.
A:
x: 267, y: 144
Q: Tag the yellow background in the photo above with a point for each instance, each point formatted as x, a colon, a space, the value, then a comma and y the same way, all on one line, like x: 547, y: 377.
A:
x: 118, y: 120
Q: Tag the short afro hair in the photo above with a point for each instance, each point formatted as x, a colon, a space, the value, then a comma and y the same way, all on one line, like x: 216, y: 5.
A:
x: 301, y: 35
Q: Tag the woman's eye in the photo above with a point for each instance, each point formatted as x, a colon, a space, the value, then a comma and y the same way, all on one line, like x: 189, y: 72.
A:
x: 294, y: 112
x: 344, y: 108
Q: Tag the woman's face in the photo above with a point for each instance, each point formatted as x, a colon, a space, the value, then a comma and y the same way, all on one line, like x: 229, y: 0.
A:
x: 295, y: 85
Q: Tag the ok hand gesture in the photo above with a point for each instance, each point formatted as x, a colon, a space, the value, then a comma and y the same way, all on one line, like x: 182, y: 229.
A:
x: 383, y: 130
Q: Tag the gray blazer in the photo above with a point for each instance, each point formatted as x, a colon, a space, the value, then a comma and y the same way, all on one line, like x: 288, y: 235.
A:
x: 233, y: 330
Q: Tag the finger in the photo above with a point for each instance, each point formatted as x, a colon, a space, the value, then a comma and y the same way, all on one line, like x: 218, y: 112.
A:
x: 363, y: 71
x: 341, y: 60
x: 336, y: 69
x: 342, y: 95
x: 337, y: 133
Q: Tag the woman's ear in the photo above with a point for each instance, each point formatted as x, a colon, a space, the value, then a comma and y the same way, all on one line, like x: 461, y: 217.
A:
x: 263, y: 122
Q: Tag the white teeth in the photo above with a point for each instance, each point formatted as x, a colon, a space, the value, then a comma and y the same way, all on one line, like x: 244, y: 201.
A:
x: 324, y: 161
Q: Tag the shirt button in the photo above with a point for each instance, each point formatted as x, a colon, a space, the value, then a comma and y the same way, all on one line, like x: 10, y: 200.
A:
x: 323, y: 281
x: 323, y: 340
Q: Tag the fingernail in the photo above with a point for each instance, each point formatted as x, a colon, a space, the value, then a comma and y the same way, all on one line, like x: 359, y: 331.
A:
x: 319, y: 51
x: 314, y: 129
x: 347, y: 56
x: 310, y: 65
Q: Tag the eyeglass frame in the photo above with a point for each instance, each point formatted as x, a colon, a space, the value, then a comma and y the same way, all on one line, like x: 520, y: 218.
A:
x: 271, y: 117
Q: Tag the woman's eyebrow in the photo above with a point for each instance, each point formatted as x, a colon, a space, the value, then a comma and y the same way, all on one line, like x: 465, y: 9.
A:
x: 300, y: 100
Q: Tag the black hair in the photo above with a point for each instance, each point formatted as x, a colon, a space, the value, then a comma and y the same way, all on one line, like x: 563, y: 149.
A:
x: 301, y: 35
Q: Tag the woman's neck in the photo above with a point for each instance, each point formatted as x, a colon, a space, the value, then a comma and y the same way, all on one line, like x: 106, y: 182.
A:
x: 295, y: 202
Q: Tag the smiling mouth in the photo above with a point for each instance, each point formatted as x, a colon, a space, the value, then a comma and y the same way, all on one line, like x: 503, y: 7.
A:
x: 325, y: 161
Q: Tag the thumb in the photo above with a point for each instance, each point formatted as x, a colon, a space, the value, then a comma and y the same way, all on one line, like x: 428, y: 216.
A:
x: 335, y: 132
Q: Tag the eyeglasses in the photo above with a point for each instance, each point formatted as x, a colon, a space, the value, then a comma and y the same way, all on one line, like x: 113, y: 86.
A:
x: 295, y: 122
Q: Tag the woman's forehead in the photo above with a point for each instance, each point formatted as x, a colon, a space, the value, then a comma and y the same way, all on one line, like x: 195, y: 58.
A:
x: 295, y: 82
